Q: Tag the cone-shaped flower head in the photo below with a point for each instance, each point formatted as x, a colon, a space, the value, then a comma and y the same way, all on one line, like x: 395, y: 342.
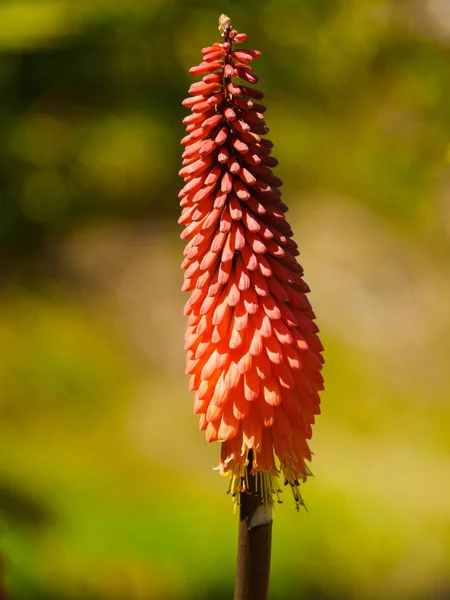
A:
x: 252, y: 348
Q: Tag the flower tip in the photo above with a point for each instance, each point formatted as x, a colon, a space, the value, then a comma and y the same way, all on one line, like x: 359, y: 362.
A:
x: 224, y: 24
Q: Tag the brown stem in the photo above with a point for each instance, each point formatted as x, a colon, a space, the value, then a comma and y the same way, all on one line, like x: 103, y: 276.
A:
x: 3, y: 595
x: 254, y: 545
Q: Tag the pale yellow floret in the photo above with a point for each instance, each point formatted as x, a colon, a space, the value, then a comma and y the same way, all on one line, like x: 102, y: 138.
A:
x: 266, y: 482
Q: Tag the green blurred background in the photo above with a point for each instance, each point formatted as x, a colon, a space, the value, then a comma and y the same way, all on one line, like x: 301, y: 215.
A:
x: 106, y: 486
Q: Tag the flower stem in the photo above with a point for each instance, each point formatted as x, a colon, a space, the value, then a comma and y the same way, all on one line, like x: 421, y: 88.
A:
x: 254, y: 544
x: 3, y: 595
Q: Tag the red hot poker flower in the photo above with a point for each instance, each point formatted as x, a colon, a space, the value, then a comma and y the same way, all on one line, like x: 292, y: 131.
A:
x: 253, y: 353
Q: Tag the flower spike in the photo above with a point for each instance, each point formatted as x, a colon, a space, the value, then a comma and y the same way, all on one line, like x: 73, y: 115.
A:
x: 253, y: 352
